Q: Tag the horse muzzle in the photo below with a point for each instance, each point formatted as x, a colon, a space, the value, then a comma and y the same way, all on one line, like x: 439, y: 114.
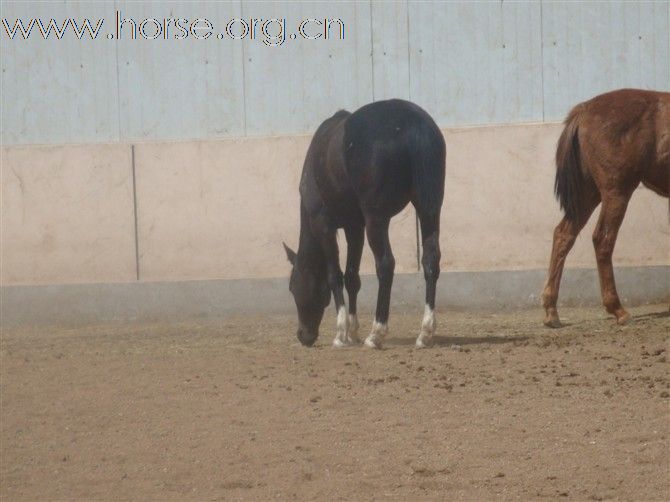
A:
x: 307, y: 337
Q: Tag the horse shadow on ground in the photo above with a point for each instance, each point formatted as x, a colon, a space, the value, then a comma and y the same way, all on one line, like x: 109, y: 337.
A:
x: 448, y: 341
x: 652, y: 315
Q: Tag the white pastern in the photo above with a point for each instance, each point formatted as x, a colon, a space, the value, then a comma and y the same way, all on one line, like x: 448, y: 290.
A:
x: 376, y: 338
x: 342, y: 328
x: 425, y: 338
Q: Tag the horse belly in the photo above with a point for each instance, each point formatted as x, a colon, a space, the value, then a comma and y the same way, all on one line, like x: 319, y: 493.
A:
x: 658, y: 180
x: 657, y: 177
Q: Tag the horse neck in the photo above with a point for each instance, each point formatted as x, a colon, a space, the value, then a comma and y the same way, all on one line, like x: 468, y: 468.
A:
x: 309, y: 248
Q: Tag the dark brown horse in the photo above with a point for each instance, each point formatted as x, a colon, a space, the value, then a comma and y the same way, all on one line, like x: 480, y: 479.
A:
x: 361, y: 169
x: 610, y: 144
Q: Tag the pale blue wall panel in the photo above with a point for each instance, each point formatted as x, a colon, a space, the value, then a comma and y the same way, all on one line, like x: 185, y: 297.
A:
x: 594, y: 47
x: 390, y: 49
x: 294, y: 87
x: 465, y: 62
x: 180, y: 89
x: 474, y: 63
x: 57, y: 91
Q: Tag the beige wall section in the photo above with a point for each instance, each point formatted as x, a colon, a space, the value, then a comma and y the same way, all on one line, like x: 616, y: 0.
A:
x: 500, y: 212
x: 67, y: 214
x: 220, y: 209
x: 216, y: 209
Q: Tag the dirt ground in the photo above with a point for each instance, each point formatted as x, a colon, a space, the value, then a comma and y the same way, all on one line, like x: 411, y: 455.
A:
x: 500, y: 408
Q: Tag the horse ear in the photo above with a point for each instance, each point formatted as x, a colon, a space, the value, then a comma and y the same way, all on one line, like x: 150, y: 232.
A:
x: 290, y: 254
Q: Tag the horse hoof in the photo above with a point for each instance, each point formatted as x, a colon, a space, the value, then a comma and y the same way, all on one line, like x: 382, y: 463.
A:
x: 424, y: 342
x: 338, y: 344
x: 373, y: 342
x: 622, y: 318
x: 552, y: 322
x: 345, y: 341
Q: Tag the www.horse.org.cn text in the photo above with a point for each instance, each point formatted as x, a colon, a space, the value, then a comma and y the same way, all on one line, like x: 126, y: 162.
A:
x: 271, y: 32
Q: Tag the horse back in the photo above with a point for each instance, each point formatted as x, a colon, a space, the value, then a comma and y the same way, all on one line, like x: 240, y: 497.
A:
x: 624, y: 138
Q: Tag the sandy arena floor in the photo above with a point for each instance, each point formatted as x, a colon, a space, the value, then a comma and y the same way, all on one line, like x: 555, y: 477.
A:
x: 501, y: 408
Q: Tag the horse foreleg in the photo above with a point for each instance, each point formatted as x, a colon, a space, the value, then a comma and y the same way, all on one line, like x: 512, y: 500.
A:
x: 565, y: 234
x: 605, y: 234
x: 336, y: 285
x: 378, y: 238
x: 352, y: 280
x: 430, y: 234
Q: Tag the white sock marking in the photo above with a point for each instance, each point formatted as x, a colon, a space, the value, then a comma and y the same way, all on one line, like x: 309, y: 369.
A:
x: 342, y: 328
x: 425, y: 338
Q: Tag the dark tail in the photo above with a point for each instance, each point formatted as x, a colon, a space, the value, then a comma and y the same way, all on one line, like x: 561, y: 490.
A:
x: 428, y: 157
x: 571, y: 183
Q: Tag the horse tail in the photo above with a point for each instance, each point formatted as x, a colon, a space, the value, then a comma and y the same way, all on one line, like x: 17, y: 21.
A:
x: 571, y: 182
x: 427, y: 158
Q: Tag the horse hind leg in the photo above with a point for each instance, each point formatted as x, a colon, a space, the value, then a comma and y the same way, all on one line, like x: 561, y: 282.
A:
x: 565, y: 234
x: 378, y: 238
x: 430, y: 234
x: 605, y: 234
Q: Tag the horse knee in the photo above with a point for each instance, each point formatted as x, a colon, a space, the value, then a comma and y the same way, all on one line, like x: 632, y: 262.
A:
x: 352, y: 281
x: 335, y: 279
x: 385, y: 267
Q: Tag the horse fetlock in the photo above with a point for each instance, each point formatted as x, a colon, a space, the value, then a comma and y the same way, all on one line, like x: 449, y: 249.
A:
x: 613, y: 305
x: 551, y: 319
x: 548, y: 298
x: 352, y: 333
x: 622, y: 316
x: 374, y: 341
x: 424, y: 340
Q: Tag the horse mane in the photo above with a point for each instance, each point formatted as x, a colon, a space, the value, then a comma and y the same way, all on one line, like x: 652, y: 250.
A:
x: 310, y: 253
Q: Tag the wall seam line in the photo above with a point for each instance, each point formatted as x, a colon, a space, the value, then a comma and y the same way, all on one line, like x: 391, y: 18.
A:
x: 244, y: 81
x: 409, y: 97
x: 118, y: 83
x: 372, y: 53
x: 137, y: 247
x: 542, y: 57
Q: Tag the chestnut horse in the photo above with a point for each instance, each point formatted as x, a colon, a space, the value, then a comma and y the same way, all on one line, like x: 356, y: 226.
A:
x: 361, y: 169
x: 610, y: 144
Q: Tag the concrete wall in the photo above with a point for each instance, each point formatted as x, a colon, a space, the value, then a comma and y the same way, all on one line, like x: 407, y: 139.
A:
x: 67, y: 214
x: 465, y: 62
x: 169, y: 169
x: 220, y: 210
